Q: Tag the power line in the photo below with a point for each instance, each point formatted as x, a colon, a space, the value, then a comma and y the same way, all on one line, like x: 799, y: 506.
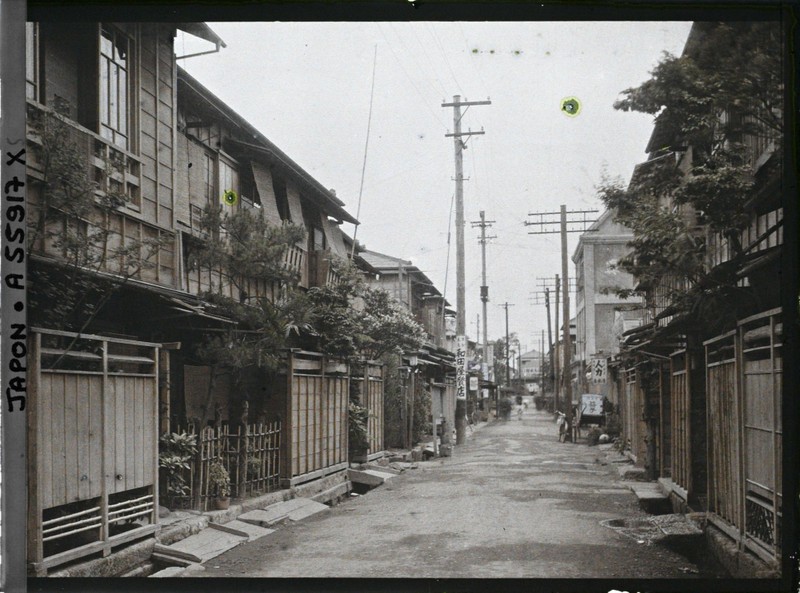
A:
x: 411, y: 80
x: 436, y: 39
x: 429, y: 60
x: 442, y: 91
x: 580, y: 223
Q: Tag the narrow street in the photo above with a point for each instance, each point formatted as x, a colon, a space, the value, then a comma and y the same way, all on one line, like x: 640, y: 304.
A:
x: 512, y: 502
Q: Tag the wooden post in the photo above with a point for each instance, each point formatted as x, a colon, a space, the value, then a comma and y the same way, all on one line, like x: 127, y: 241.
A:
x: 286, y: 428
x: 35, y: 544
x: 104, y: 491
x: 164, y: 390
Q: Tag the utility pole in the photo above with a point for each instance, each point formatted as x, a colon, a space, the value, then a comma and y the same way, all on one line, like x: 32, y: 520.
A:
x: 579, y: 224
x: 506, y: 305
x: 459, y: 144
x: 483, y: 223
x: 550, y: 346
x: 541, y: 369
x: 557, y: 368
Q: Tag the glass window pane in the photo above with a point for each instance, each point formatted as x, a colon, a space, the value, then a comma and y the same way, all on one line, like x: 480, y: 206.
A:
x: 30, y: 52
x: 104, y: 116
x: 106, y: 44
x: 121, y: 54
x: 123, y: 102
x: 112, y: 96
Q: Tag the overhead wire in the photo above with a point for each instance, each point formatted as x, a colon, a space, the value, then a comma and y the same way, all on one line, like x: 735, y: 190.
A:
x: 437, y: 41
x: 429, y: 61
x: 420, y: 68
x: 425, y: 101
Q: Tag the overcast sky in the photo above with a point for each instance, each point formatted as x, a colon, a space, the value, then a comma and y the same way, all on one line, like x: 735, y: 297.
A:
x: 306, y: 86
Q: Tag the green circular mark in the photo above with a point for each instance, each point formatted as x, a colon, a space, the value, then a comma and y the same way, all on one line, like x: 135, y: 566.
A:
x: 570, y: 106
x: 229, y: 198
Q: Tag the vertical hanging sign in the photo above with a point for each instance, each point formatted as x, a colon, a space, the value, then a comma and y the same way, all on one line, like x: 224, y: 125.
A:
x: 461, y: 367
x: 599, y: 368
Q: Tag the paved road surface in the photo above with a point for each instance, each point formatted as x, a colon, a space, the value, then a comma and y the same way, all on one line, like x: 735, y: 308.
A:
x: 511, y: 503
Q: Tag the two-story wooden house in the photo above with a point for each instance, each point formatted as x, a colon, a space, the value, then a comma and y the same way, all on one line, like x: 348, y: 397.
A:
x: 703, y: 387
x: 125, y: 150
x: 411, y: 287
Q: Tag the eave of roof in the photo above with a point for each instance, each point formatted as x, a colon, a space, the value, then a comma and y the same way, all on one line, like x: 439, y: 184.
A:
x: 203, y: 31
x: 265, y: 145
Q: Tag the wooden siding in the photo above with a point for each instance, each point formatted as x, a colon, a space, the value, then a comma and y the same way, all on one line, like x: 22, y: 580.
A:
x: 743, y: 379
x: 761, y: 381
x: 371, y: 389
x: 146, y: 171
x: 634, y: 426
x: 681, y: 440
x: 724, y: 424
x: 317, y: 403
x: 92, y: 444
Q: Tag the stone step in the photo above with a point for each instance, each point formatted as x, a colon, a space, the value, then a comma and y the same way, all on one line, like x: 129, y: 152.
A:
x: 631, y: 472
x: 312, y: 508
x: 202, y: 546
x: 179, y: 571
x: 386, y: 469
x: 244, y: 529
x: 368, y: 477
x: 651, y: 497
x: 292, y: 510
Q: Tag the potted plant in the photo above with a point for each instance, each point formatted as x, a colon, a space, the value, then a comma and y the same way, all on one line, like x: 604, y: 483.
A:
x: 219, y: 483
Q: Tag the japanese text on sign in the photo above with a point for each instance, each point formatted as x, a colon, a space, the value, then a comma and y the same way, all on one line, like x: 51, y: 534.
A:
x: 599, y: 368
x: 461, y: 367
x: 591, y: 404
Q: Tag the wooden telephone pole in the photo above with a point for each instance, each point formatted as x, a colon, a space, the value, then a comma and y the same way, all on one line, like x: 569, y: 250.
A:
x: 506, y: 305
x: 459, y: 145
x: 483, y: 224
x: 579, y: 223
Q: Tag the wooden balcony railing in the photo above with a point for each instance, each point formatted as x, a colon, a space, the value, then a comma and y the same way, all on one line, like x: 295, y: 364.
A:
x: 295, y: 259
x: 110, y: 167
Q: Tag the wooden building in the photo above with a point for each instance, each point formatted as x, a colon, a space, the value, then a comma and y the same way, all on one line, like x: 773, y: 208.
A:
x: 125, y: 151
x: 701, y: 402
x: 432, y: 367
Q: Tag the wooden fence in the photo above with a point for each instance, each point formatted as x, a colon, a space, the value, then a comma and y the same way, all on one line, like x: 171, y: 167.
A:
x: 250, y: 454
x: 92, y: 445
x: 371, y: 388
x: 743, y: 377
x: 723, y: 425
x: 316, y: 404
x: 681, y: 414
x: 761, y: 380
x: 634, y: 428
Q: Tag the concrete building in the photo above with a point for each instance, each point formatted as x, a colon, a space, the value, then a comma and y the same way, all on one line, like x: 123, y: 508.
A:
x: 598, y: 307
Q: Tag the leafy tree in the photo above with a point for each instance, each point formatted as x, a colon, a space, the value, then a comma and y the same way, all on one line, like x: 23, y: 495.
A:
x: 725, y: 90
x: 71, y: 223
x: 243, y: 245
x: 355, y: 322
x: 500, y: 357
